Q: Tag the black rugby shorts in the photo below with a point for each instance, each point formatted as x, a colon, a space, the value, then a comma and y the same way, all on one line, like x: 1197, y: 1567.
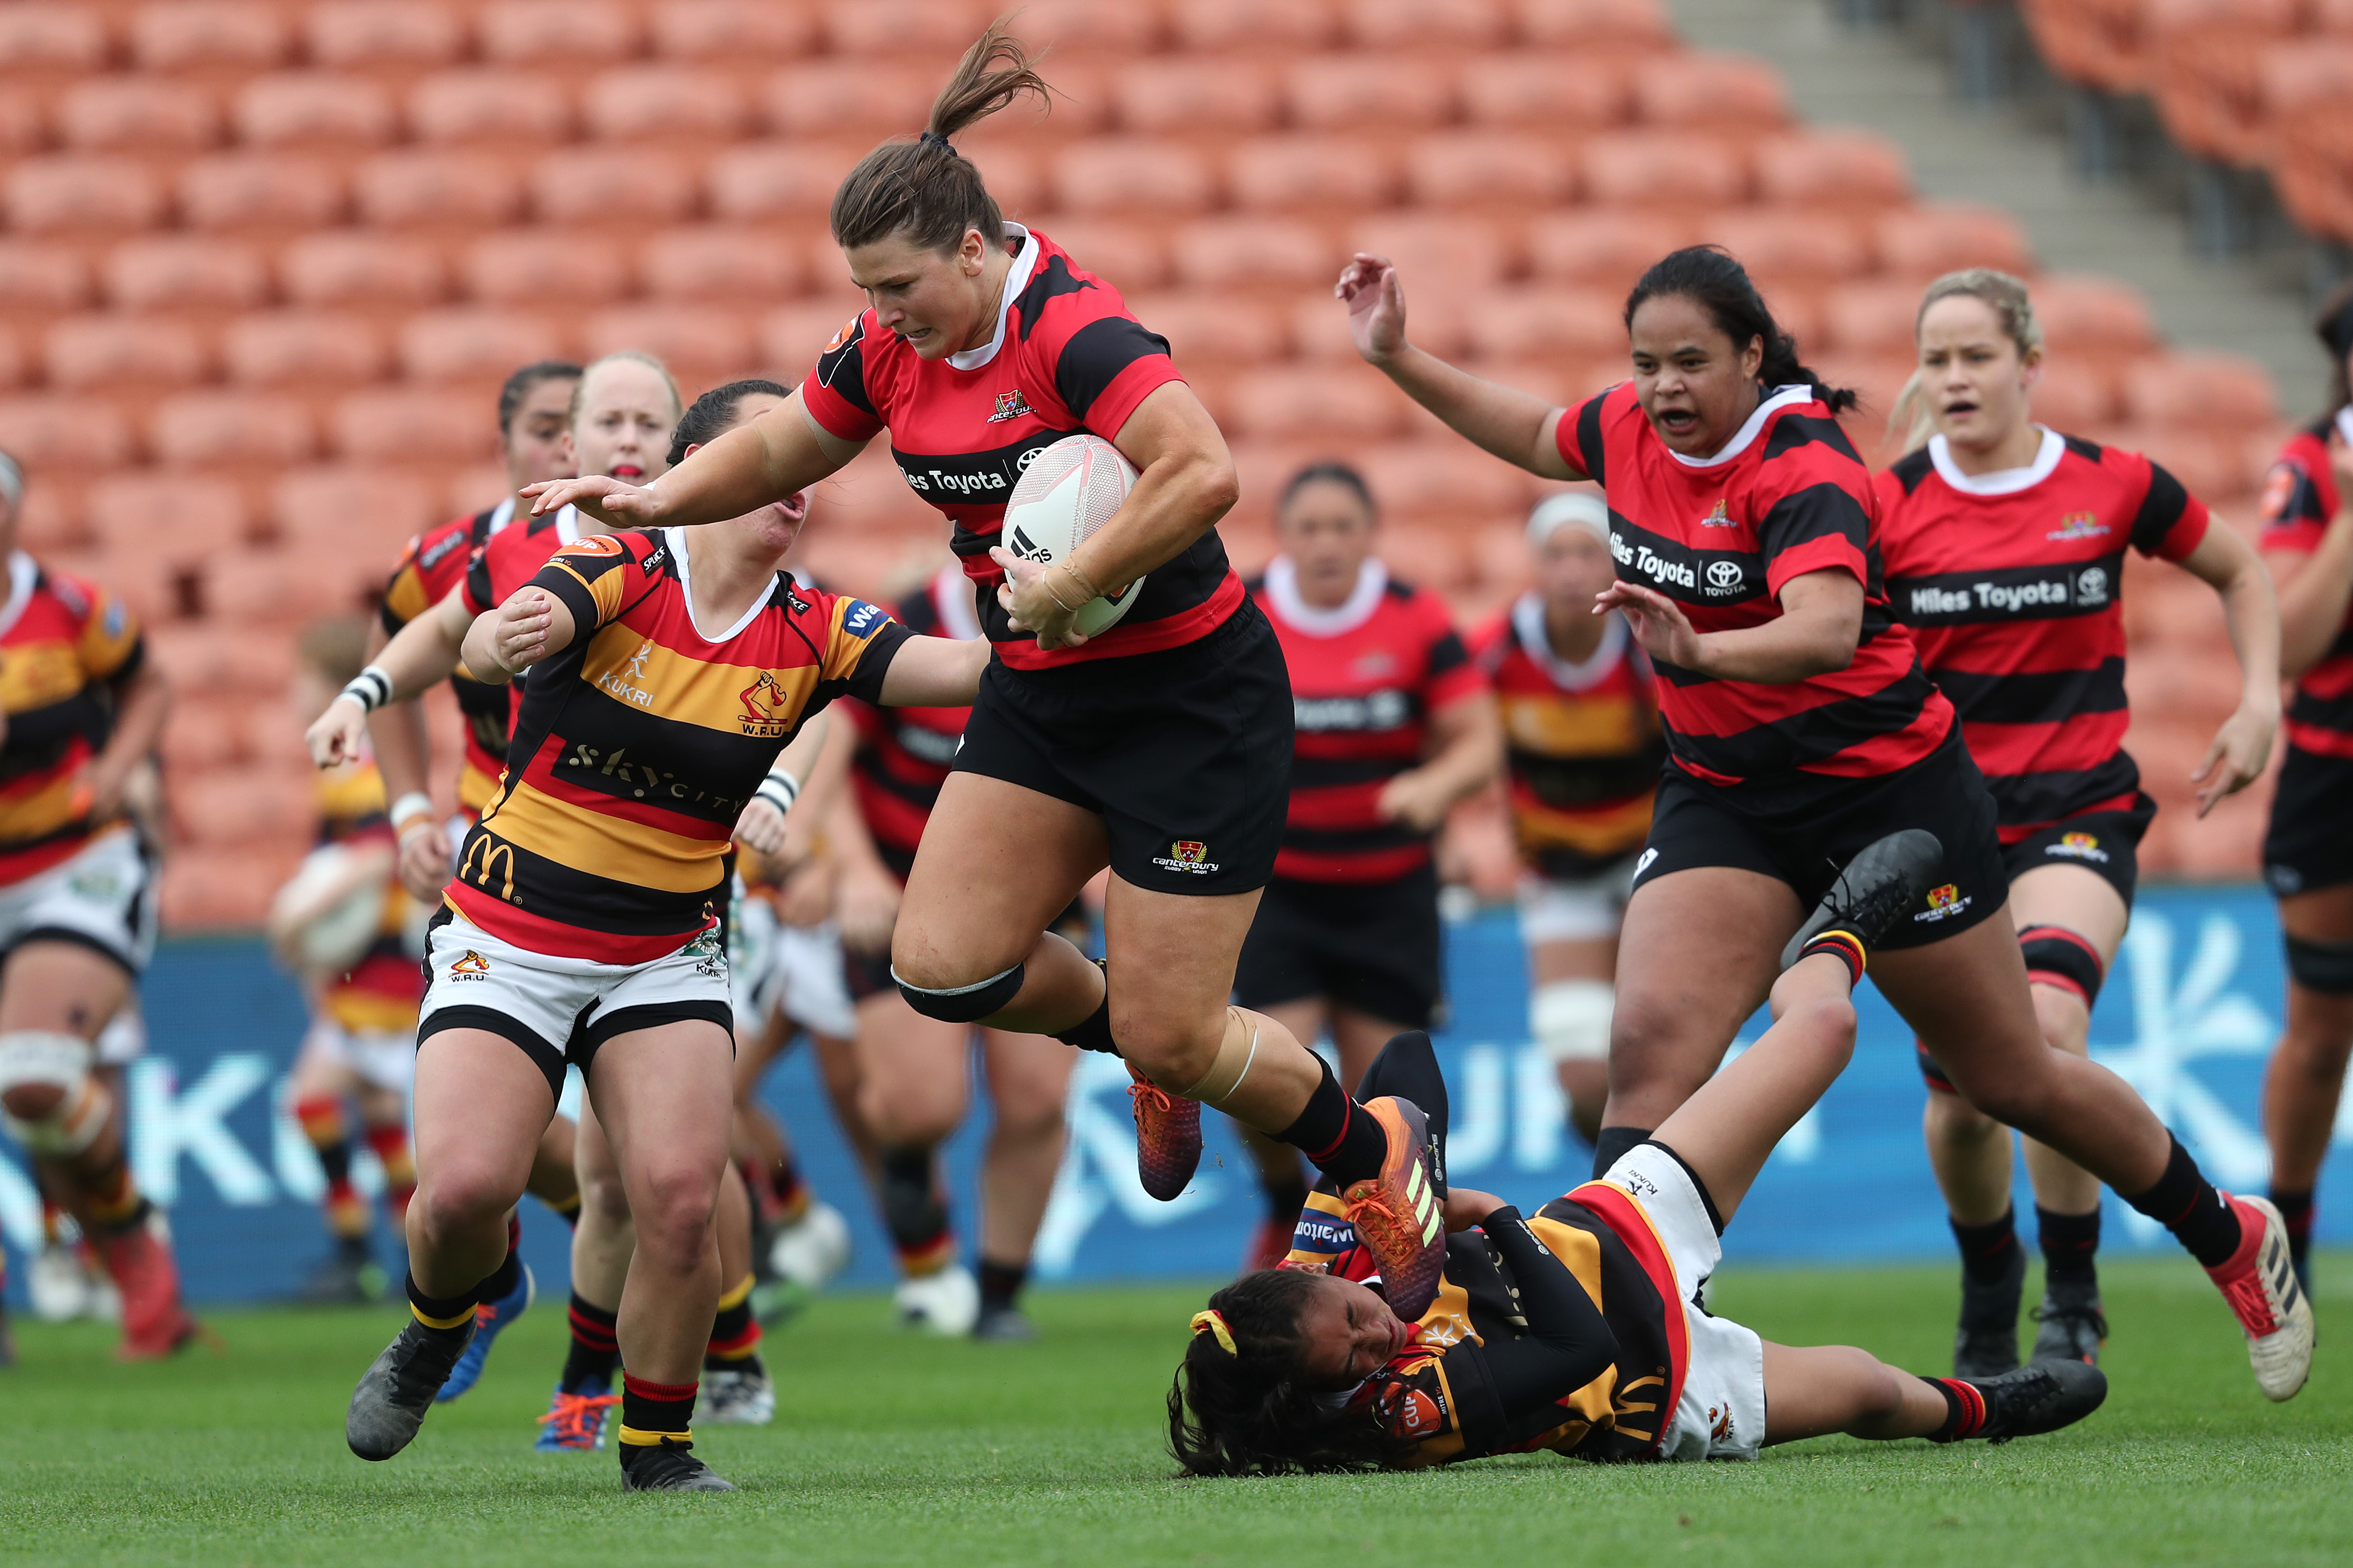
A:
x: 2105, y: 843
x: 1372, y: 946
x: 2310, y: 844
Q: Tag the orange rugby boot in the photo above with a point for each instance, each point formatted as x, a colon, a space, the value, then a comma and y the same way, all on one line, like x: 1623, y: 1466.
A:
x: 1396, y: 1214
x: 1168, y: 1138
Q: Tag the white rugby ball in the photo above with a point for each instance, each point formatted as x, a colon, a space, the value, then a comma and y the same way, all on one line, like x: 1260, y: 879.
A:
x: 1069, y: 490
x: 328, y: 938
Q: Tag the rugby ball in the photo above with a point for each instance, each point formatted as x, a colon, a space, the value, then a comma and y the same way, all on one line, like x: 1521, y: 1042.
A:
x: 1069, y: 490
x: 329, y: 912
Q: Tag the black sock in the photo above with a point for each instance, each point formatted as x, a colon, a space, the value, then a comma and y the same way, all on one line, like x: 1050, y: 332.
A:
x: 2296, y: 1210
x: 1336, y: 1133
x: 569, y: 1213
x: 354, y: 1248
x: 735, y: 1335
x: 2071, y: 1243
x: 500, y: 1282
x: 1000, y: 1284
x: 912, y: 1209
x: 1613, y: 1144
x: 442, y: 1314
x: 1284, y: 1198
x: 655, y: 1415
x: 1986, y: 1250
x: 2186, y: 1203
x: 1092, y: 1032
x: 596, y: 1349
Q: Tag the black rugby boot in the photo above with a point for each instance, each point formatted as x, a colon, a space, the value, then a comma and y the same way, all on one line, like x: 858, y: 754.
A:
x: 398, y: 1387
x: 1878, y: 887
x: 2074, y: 1327
x: 2036, y: 1399
x: 668, y: 1467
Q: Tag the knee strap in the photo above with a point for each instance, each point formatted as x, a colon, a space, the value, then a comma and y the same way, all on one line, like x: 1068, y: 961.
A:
x: 62, y: 1062
x: 962, y: 1003
x: 2060, y: 957
x: 1571, y: 1019
x: 1236, y: 1051
x: 44, y: 1057
x: 2316, y: 966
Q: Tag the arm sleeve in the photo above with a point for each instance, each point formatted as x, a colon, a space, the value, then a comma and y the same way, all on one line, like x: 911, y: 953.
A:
x: 1579, y: 436
x: 1568, y: 1343
x: 588, y: 578
x: 1107, y: 367
x: 835, y: 391
x: 860, y: 643
x: 2171, y: 522
x: 1448, y: 675
x: 1824, y: 526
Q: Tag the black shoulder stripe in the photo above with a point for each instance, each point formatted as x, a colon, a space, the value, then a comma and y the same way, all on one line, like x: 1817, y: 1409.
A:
x: 2160, y: 508
x: 1791, y: 431
x: 2088, y: 450
x: 1054, y: 278
x: 1094, y: 357
x: 1448, y: 653
x: 1588, y: 438
x: 478, y: 579
x: 1396, y: 589
x: 1255, y: 585
x: 1911, y: 468
x: 843, y: 369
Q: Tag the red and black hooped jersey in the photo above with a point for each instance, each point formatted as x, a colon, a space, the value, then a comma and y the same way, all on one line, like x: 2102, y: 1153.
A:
x: 434, y: 563
x: 1440, y: 1391
x: 1722, y: 536
x: 379, y: 994
x: 1582, y: 741
x: 1364, y: 678
x: 2012, y: 583
x: 65, y: 647
x: 1067, y: 358
x: 2298, y: 503
x: 637, y: 747
x: 904, y: 754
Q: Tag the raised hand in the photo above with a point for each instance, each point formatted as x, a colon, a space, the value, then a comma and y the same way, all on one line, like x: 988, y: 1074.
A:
x: 610, y: 502
x: 1368, y: 287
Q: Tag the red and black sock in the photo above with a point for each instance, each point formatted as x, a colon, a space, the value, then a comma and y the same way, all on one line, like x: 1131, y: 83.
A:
x: 655, y: 1416
x: 1965, y: 1409
x: 734, y: 1333
x: 2186, y: 1203
x: 790, y: 1192
x: 595, y: 1352
x: 1339, y: 1136
x: 1988, y: 1251
x: 2071, y: 1246
x: 2295, y: 1213
x: 914, y: 1210
x: 1000, y: 1284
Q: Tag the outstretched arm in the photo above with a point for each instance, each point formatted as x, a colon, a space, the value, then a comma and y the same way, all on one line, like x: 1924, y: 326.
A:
x: 782, y: 451
x: 2243, y: 745
x: 425, y: 652
x: 404, y: 756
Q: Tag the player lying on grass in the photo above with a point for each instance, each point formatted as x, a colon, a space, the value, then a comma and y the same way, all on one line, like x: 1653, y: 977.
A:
x: 1576, y: 1330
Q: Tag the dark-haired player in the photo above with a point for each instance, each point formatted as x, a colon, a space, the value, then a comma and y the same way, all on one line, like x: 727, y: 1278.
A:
x: 1580, y: 713
x: 1800, y: 726
x: 2308, y: 852
x: 1394, y: 725
x: 2004, y: 547
x: 1160, y: 747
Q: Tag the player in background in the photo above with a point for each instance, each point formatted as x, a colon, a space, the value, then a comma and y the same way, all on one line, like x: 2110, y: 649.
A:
x: 1801, y: 727
x: 2307, y: 541
x: 357, y: 1054
x: 584, y: 924
x: 1583, y: 751
x: 83, y: 708
x: 1576, y: 1330
x: 1160, y: 747
x: 1394, y: 724
x: 2035, y: 666
x: 913, y: 1089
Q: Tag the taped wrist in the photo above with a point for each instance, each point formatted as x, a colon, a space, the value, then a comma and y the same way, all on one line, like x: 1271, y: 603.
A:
x: 962, y: 1003
x: 779, y: 789
x: 1237, y: 1050
x: 370, y: 688
x: 2057, y: 956
x: 1571, y: 1019
x: 414, y: 810
x: 2325, y: 966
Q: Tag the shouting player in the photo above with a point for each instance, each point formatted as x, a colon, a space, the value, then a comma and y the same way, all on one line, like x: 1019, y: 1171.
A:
x: 1580, y: 711
x: 1800, y: 726
x: 2004, y: 547
x: 1394, y: 724
x: 1160, y: 747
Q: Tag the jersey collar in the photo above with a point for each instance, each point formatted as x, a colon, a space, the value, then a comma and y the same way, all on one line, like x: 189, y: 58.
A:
x: 1283, y: 588
x: 502, y: 514
x: 567, y: 525
x: 952, y: 597
x: 1017, y: 279
x: 2000, y: 481
x: 1528, y: 625
x: 676, y: 538
x: 1779, y: 398
x: 23, y: 575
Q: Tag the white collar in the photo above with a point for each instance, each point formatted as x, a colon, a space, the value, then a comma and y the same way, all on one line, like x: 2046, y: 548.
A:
x: 1283, y: 587
x: 1017, y: 278
x: 2000, y: 481
x: 502, y: 514
x: 24, y: 572
x: 567, y: 524
x: 1782, y: 397
x: 952, y: 597
x: 1528, y: 625
x: 676, y: 538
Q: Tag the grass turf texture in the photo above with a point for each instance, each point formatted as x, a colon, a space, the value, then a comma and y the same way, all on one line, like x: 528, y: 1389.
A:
x: 889, y: 1448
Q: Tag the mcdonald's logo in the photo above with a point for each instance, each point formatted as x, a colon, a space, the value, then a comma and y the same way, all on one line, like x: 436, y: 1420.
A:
x: 481, y: 858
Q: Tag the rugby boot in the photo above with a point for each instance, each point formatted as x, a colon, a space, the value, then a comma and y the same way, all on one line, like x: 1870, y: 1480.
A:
x: 1168, y: 1138
x: 946, y: 1301
x: 2032, y: 1399
x: 2073, y: 1326
x: 396, y: 1390
x: 670, y: 1468
x: 489, y: 1319
x: 1986, y: 1345
x: 155, y: 1323
x: 1396, y: 1213
x: 739, y: 1396
x: 575, y: 1423
x: 1876, y: 891
x: 2259, y: 1282
x: 1003, y: 1326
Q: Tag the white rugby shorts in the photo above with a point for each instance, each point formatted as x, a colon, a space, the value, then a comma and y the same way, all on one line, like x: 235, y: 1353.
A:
x: 102, y: 896
x: 796, y: 968
x: 1586, y: 910
x: 377, y: 1057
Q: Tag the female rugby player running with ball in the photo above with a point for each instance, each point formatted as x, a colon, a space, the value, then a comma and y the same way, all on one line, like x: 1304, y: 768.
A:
x: 1160, y: 747
x: 1801, y: 727
x: 2003, y: 542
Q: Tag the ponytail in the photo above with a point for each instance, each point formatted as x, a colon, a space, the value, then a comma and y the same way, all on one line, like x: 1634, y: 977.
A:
x: 1711, y: 279
x: 2002, y: 294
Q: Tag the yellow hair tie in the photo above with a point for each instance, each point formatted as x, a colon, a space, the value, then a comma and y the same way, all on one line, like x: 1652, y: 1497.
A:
x: 1214, y: 1322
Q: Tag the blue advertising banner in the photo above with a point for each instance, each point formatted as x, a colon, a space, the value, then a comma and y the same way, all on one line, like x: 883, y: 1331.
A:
x: 2188, y: 1017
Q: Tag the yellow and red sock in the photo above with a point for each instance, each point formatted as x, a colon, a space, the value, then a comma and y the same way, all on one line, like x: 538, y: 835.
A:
x: 322, y: 1118
x: 442, y: 1314
x: 792, y: 1194
x: 113, y: 1197
x: 735, y: 1332
x: 656, y: 1415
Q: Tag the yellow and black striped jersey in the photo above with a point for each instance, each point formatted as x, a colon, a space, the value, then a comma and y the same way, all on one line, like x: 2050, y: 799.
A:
x: 64, y: 646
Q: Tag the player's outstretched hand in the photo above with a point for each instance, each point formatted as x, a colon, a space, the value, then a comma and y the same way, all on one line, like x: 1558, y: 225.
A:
x: 336, y: 736
x: 1368, y: 287
x: 2235, y: 757
x: 519, y: 630
x: 611, y: 502
x: 761, y: 827
x: 424, y: 863
x: 1024, y: 596
x: 1659, y: 622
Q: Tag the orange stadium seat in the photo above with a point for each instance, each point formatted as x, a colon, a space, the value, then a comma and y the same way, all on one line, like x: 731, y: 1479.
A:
x: 1283, y: 173
x: 12, y: 360
x: 2206, y: 70
x: 1174, y: 96
x: 305, y: 108
x: 695, y: 337
x: 597, y: 184
x: 1448, y: 478
x: 1459, y: 256
x: 71, y: 435
x: 411, y: 186
x: 791, y: 339
x: 1663, y: 168
x: 1873, y: 319
x: 259, y: 588
x: 1234, y: 252
x: 1606, y: 248
x: 1082, y: 27
x: 1292, y: 403
x: 369, y: 511
x: 472, y: 487
x: 367, y: 33
x: 2081, y: 315
x: 663, y: 100
x: 1931, y: 239
x: 939, y: 29
x: 1214, y: 326
x: 776, y: 179
x: 1825, y: 168
x: 249, y: 34
x: 1544, y: 322
x: 1456, y: 168
x: 166, y: 271
x: 851, y: 97
x: 275, y: 346
x: 716, y: 261
x: 1558, y: 91
x: 244, y: 805
x: 2099, y: 43
x: 731, y: 30
x: 393, y: 424
x: 1715, y: 92
x: 22, y: 127
x: 2074, y: 396
x: 1128, y: 254
x: 1224, y: 27
x: 180, y: 517
x: 138, y: 113
x: 540, y: 30
x: 482, y: 344
x: 520, y: 265
x: 1123, y: 173
x: 62, y: 37
x: 232, y: 190
x: 75, y: 191
x: 1319, y: 326
x: 211, y: 430
x: 1790, y: 245
x: 502, y: 106
x: 1596, y: 25
x: 2303, y: 86
x: 361, y: 268
x: 114, y: 350
x: 1351, y: 92
x: 1425, y: 25
x: 206, y: 732
x: 2204, y: 392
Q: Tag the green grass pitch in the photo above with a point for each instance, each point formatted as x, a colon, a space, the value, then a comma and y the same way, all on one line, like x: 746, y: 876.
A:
x: 894, y: 1449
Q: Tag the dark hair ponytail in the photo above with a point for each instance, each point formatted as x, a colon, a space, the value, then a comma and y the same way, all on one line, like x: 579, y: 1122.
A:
x: 924, y: 188
x: 712, y: 415
x: 1245, y: 1411
x: 1708, y: 276
x: 518, y: 386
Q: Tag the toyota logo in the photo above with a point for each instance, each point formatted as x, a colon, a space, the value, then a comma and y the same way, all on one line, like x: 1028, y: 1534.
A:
x: 1724, y: 575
